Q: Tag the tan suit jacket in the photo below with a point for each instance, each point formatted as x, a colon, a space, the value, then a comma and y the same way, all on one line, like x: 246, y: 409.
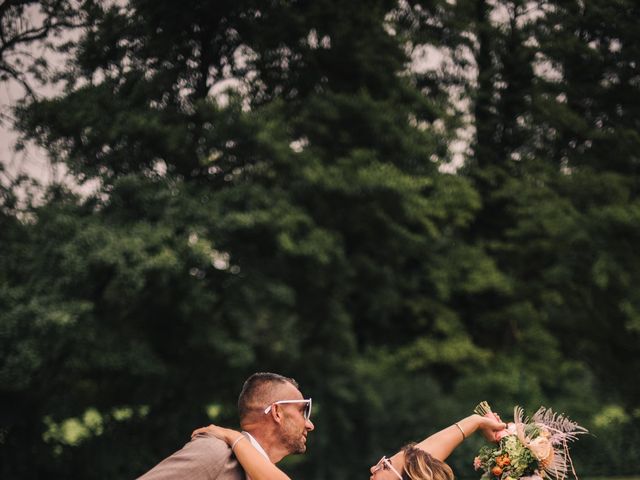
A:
x: 203, y: 458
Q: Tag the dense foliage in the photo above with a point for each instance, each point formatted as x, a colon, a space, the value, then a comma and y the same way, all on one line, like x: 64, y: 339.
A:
x: 278, y: 191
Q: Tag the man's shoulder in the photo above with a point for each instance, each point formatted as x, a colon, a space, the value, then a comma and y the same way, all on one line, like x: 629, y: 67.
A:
x: 209, y: 442
x: 205, y: 457
x: 207, y: 448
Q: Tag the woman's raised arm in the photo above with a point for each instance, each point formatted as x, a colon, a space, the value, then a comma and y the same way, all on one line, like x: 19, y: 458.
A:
x: 441, y: 444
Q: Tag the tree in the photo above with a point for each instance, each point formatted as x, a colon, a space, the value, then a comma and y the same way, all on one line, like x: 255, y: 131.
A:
x: 254, y: 233
x: 271, y: 197
x: 24, y: 23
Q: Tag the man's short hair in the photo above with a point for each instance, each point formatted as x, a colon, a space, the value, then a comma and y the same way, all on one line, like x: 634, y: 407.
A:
x: 258, y: 391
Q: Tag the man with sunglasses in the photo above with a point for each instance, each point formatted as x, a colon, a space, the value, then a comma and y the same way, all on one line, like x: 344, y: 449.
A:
x: 275, y: 419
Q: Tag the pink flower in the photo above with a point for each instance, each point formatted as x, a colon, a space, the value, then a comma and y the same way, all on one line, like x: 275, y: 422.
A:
x: 477, y: 464
x: 510, y: 430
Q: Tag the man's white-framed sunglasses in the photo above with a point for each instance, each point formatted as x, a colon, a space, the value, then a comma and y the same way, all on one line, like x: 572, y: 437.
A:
x: 306, y: 413
x: 385, y: 464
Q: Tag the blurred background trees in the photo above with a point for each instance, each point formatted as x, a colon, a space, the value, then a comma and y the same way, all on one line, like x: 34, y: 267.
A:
x: 279, y: 189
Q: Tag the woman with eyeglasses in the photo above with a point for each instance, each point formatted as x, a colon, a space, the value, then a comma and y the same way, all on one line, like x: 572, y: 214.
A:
x: 416, y: 461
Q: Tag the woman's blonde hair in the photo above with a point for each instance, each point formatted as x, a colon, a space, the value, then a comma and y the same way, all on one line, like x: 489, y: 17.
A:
x: 420, y: 465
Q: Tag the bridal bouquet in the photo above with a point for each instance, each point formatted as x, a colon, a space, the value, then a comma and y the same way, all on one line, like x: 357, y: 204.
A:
x: 528, y: 449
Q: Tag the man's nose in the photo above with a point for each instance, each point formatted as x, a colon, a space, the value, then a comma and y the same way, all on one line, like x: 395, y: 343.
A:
x: 309, y: 425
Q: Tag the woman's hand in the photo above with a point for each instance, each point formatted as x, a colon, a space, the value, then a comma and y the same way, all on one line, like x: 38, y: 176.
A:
x: 227, y: 435
x: 491, y: 427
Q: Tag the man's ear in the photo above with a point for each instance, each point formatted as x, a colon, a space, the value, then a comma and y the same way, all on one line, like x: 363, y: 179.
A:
x: 276, y: 413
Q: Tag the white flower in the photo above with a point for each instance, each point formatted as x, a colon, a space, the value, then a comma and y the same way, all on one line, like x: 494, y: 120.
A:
x: 541, y: 448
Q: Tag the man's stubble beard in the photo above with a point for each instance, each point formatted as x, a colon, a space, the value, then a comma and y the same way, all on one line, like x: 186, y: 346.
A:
x: 293, y: 439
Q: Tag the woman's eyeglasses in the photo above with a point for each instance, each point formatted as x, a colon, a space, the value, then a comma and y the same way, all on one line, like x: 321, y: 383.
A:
x: 385, y: 464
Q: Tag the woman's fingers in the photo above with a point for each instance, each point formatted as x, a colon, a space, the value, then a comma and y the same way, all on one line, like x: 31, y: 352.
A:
x: 211, y: 429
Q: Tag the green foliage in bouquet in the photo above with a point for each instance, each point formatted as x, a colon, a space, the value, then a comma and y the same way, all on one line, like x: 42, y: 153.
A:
x: 522, y: 460
x: 511, y: 458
